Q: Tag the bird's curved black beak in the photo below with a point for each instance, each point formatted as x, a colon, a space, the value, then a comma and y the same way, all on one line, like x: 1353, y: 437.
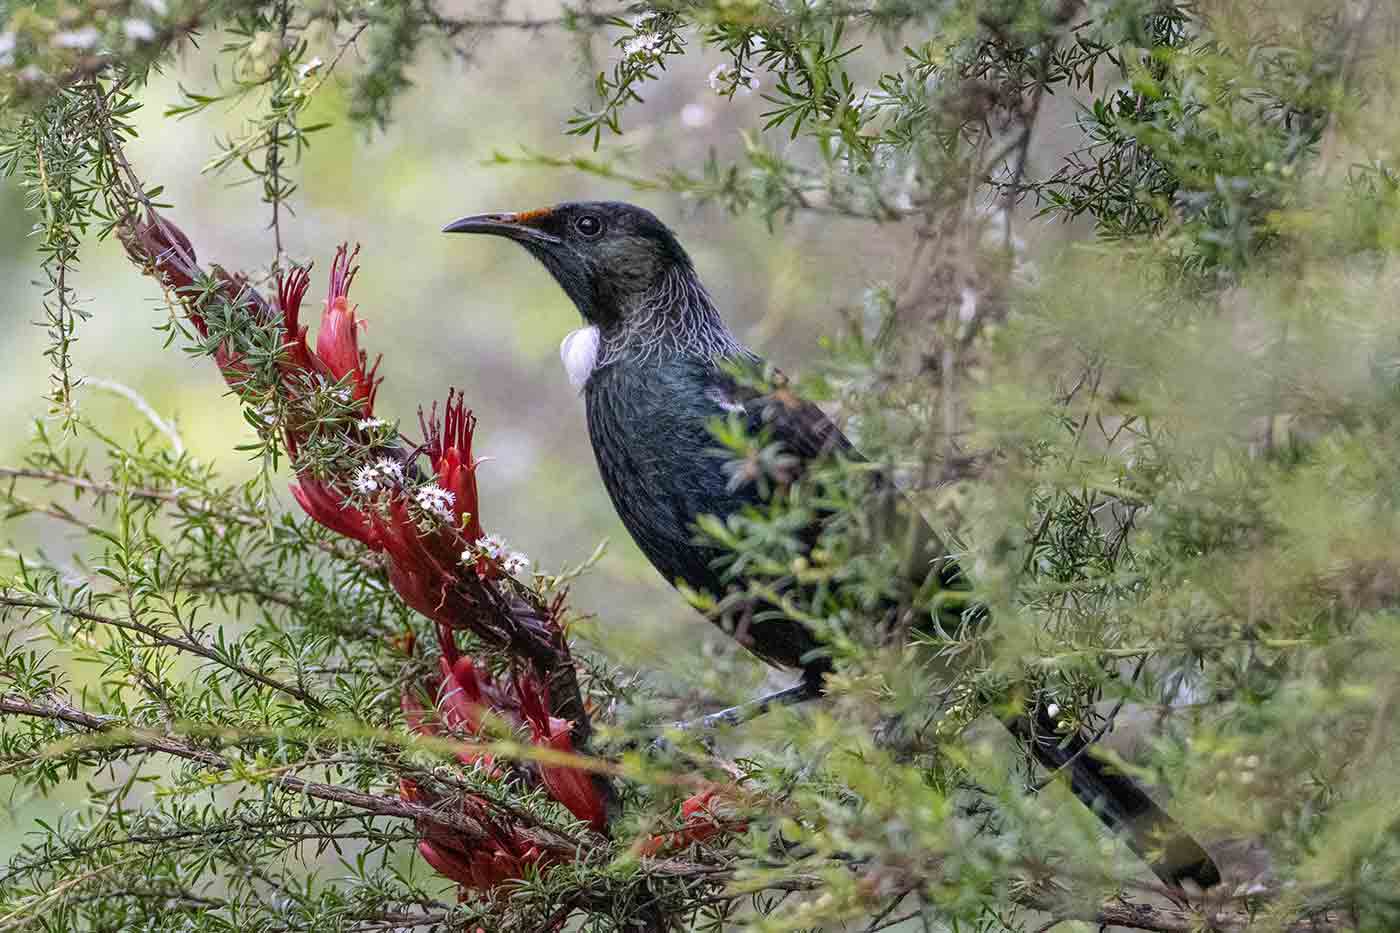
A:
x: 511, y: 226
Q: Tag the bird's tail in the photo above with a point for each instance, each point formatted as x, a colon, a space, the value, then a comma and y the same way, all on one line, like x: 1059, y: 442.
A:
x: 1118, y: 800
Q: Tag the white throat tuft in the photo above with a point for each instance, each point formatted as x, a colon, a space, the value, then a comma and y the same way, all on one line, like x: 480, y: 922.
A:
x: 579, y: 352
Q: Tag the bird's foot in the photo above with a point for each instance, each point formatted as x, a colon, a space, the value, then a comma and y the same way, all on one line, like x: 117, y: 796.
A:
x: 702, y: 729
x: 738, y: 715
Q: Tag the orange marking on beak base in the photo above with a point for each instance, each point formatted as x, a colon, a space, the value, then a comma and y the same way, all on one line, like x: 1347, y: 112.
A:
x: 527, y: 216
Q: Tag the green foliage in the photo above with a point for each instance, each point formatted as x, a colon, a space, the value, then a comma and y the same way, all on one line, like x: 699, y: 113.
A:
x: 1165, y: 457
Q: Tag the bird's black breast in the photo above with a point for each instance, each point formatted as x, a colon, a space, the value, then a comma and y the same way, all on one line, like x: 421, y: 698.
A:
x: 649, y: 423
x: 650, y: 426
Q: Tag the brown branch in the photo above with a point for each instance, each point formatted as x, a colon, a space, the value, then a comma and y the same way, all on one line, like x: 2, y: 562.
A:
x: 1177, y: 920
x: 185, y: 502
x: 180, y: 644
x: 380, y: 805
x: 452, y: 26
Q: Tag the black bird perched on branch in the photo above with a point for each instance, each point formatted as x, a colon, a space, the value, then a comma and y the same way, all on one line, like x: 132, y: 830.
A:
x: 655, y: 362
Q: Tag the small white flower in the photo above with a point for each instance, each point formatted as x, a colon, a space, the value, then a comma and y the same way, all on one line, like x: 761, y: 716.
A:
x: 724, y: 78
x: 158, y: 7
x: 138, y: 30
x: 642, y: 44
x: 84, y: 38
x: 1053, y: 709
x: 719, y: 78
x: 390, y: 470
x: 7, y: 48
x: 366, y: 480
x: 493, y: 546
x: 435, y: 500
x: 757, y: 44
x: 307, y: 68
x: 516, y: 562
x: 371, y: 424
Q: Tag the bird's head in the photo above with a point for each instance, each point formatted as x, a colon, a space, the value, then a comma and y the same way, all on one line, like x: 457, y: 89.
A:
x: 609, y: 257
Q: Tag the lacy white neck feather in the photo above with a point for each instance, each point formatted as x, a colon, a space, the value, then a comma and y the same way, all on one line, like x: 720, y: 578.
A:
x: 677, y: 318
x: 579, y: 352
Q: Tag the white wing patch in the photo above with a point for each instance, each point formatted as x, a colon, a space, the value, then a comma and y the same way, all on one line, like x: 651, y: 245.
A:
x: 579, y: 353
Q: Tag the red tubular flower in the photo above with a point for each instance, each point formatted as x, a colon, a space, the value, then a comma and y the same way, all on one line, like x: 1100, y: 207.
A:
x: 572, y: 787
x: 502, y: 857
x: 699, y: 821
x: 338, y: 342
x: 327, y: 507
x: 291, y: 289
x: 462, y: 701
x: 464, y: 695
x: 449, y: 446
x: 165, y: 246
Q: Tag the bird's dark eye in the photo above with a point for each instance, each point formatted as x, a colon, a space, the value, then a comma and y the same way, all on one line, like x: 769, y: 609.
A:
x: 588, y: 225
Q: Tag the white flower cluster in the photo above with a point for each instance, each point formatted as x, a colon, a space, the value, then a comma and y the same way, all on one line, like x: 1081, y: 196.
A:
x: 494, y: 547
x: 435, y: 500
x: 371, y: 424
x: 138, y: 30
x: 384, y: 473
x: 642, y: 45
x: 84, y: 38
x: 725, y: 78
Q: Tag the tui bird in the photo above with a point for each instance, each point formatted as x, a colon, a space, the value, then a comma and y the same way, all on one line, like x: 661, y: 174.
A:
x: 656, y: 365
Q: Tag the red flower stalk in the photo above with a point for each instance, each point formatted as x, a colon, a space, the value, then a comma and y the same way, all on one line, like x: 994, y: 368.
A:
x: 424, y: 529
